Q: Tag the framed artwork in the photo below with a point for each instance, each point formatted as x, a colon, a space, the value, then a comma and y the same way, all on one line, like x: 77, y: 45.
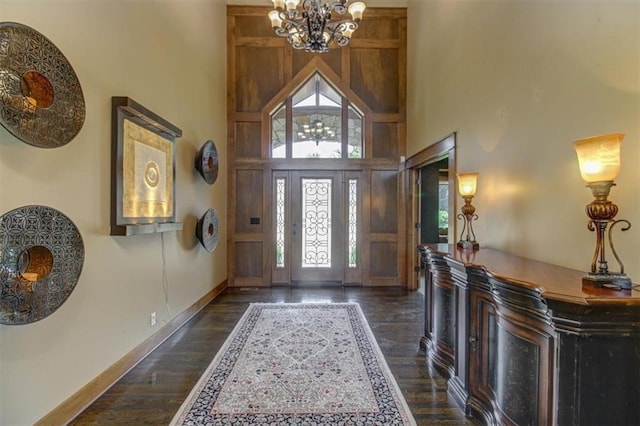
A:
x: 142, y: 170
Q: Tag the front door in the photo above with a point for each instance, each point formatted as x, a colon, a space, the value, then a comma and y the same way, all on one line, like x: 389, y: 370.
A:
x: 317, y: 227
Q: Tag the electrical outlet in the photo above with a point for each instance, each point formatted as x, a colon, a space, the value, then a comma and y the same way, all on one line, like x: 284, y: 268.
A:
x: 154, y: 319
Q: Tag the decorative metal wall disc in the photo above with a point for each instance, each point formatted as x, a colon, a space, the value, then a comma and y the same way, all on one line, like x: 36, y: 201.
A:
x: 41, y: 102
x: 207, y: 162
x: 41, y: 257
x: 207, y: 230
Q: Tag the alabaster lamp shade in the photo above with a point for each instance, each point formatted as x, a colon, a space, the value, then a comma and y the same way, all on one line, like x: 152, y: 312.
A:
x: 467, y: 183
x: 276, y: 21
x: 292, y: 4
x: 599, y: 157
x: 356, y: 10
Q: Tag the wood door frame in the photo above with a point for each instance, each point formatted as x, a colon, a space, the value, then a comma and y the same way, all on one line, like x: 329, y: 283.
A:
x: 444, y: 148
x: 351, y: 275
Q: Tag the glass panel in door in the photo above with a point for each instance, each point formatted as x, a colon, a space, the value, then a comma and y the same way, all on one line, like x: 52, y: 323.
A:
x: 318, y: 224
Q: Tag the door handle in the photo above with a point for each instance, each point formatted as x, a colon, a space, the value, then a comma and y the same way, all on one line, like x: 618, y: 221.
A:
x: 293, y: 228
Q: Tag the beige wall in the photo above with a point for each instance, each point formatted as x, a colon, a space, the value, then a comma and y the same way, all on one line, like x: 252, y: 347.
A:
x: 519, y: 80
x: 169, y: 56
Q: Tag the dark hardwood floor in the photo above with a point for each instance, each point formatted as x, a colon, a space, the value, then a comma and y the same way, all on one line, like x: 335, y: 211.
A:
x: 152, y: 392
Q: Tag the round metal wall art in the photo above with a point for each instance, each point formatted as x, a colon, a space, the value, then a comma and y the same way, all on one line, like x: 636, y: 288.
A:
x: 41, y: 258
x: 207, y: 230
x: 41, y: 101
x: 206, y: 162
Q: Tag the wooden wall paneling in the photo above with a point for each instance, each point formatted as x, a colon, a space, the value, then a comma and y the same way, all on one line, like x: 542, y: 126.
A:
x: 366, y: 227
x: 384, y: 264
x: 386, y: 140
x: 383, y: 237
x: 333, y: 58
x: 262, y: 72
x: 384, y: 201
x: 402, y: 75
x: 289, y: 128
x: 344, y: 126
x: 379, y: 27
x: 267, y: 225
x: 374, y: 77
x: 345, y: 66
x: 235, y: 10
x: 248, y: 139
x: 288, y: 63
x: 402, y: 141
x: 231, y: 226
x: 402, y: 229
x: 368, y: 136
x: 253, y: 26
x: 231, y: 67
x: 261, y: 42
x: 248, y: 260
x: 249, y: 206
x: 374, y: 44
x: 231, y: 131
x: 378, y: 117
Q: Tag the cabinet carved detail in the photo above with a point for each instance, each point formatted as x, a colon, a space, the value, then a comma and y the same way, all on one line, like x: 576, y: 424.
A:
x: 526, y: 345
x: 517, y: 387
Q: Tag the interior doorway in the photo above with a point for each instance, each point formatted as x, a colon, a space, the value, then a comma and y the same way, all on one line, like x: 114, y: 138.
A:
x: 434, y: 202
x: 431, y: 186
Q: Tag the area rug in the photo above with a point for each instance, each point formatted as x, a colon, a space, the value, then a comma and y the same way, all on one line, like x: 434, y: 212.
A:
x: 297, y: 364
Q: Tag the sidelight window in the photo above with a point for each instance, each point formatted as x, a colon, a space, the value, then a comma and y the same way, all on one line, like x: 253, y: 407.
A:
x: 353, y: 223
x: 280, y: 222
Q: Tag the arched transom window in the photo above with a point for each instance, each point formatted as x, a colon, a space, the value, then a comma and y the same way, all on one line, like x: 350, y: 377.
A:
x: 323, y: 124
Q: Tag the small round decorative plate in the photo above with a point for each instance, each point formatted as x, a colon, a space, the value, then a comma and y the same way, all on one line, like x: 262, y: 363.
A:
x: 41, y: 257
x: 207, y: 230
x: 206, y: 162
x: 41, y: 101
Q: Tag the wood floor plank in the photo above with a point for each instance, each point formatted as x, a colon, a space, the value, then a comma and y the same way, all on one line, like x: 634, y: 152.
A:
x: 152, y: 392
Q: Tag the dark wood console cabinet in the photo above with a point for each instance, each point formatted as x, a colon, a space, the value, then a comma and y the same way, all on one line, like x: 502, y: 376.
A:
x: 522, y: 342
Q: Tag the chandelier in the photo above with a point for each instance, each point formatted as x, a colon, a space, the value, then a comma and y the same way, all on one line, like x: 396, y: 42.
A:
x: 312, y: 28
x: 317, y: 130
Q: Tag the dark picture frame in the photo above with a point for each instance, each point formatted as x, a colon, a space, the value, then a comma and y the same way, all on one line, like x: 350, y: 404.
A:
x: 143, y: 159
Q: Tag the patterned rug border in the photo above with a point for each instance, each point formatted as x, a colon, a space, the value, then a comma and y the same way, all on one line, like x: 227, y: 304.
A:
x: 317, y: 419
